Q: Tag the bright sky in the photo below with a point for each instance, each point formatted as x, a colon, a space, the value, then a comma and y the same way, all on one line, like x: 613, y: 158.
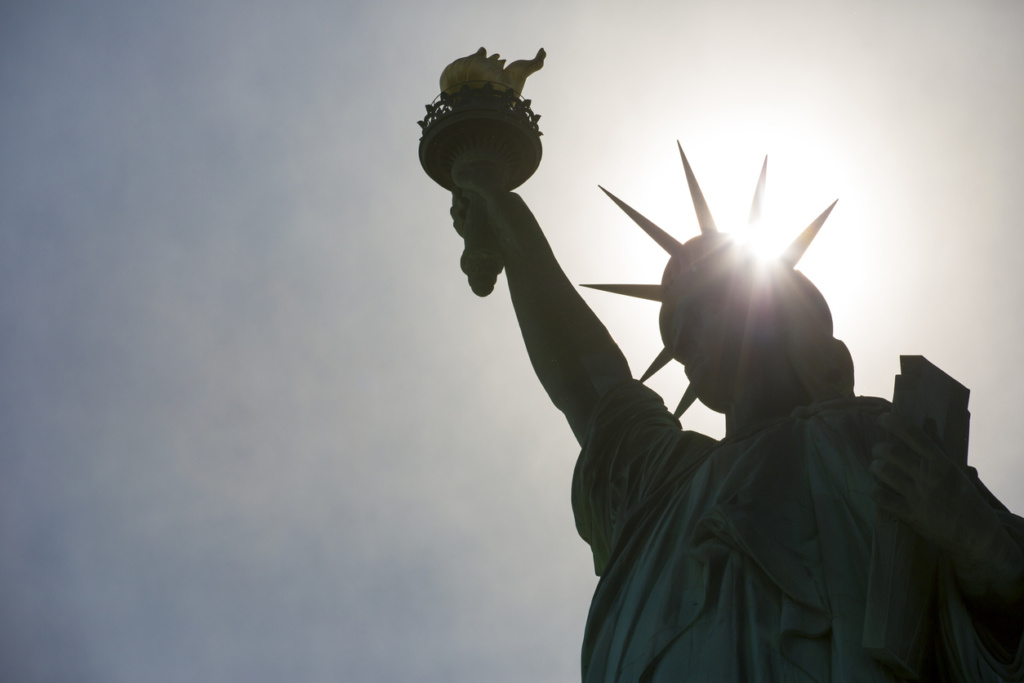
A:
x: 254, y: 424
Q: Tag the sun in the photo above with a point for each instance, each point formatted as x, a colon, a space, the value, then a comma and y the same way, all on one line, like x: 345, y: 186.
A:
x: 764, y: 237
x: 761, y: 235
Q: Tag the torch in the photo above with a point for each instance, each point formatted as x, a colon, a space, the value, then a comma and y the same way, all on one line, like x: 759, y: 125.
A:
x: 480, y: 115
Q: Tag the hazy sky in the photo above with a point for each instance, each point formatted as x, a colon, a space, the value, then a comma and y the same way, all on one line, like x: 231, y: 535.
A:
x: 254, y: 426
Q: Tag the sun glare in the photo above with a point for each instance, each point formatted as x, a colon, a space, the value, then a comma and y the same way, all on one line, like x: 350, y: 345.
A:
x: 765, y: 238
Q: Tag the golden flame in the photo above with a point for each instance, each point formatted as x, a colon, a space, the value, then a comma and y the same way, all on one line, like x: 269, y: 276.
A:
x: 478, y: 68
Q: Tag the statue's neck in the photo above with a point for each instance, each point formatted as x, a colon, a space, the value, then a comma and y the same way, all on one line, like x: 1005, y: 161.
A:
x: 772, y: 392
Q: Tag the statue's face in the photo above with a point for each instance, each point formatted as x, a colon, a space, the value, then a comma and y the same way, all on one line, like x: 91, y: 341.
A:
x: 723, y: 326
x: 710, y: 333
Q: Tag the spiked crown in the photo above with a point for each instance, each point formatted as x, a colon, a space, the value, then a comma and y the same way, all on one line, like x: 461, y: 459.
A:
x: 712, y: 254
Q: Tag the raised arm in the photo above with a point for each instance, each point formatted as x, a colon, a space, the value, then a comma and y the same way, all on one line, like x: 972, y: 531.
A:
x: 572, y: 353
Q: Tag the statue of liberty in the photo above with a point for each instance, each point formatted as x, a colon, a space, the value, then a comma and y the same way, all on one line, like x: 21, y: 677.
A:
x: 748, y: 558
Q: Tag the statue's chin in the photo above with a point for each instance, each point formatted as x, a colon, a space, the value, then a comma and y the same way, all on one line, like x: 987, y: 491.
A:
x: 714, y: 403
x: 708, y: 391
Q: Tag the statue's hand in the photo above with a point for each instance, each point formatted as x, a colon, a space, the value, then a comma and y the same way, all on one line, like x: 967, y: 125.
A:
x: 919, y: 485
x: 473, y: 216
x: 482, y: 176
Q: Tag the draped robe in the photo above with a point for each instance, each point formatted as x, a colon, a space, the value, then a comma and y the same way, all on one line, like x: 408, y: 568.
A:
x: 746, y: 559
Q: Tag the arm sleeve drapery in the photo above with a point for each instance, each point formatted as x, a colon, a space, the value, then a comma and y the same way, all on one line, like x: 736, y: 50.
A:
x: 633, y: 445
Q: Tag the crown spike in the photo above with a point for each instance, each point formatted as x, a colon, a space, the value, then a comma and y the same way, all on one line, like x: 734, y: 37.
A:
x: 796, y: 249
x: 661, y: 361
x: 665, y: 240
x: 704, y: 219
x: 649, y: 292
x: 689, y: 396
x: 758, y: 201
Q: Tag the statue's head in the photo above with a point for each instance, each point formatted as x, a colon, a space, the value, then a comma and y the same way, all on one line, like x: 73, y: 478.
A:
x: 727, y: 315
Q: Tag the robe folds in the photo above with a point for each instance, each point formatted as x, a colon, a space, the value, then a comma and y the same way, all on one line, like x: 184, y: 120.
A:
x: 747, y: 559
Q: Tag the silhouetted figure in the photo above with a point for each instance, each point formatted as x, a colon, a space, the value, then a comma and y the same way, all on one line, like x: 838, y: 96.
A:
x: 747, y: 558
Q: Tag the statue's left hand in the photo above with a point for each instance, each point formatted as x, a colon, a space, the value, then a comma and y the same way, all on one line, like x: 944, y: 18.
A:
x: 921, y: 486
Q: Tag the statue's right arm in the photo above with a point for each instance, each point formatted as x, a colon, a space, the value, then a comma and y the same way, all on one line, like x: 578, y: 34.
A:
x: 572, y: 352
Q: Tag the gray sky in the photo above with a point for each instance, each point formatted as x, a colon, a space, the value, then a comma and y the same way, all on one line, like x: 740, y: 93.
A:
x: 254, y: 424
